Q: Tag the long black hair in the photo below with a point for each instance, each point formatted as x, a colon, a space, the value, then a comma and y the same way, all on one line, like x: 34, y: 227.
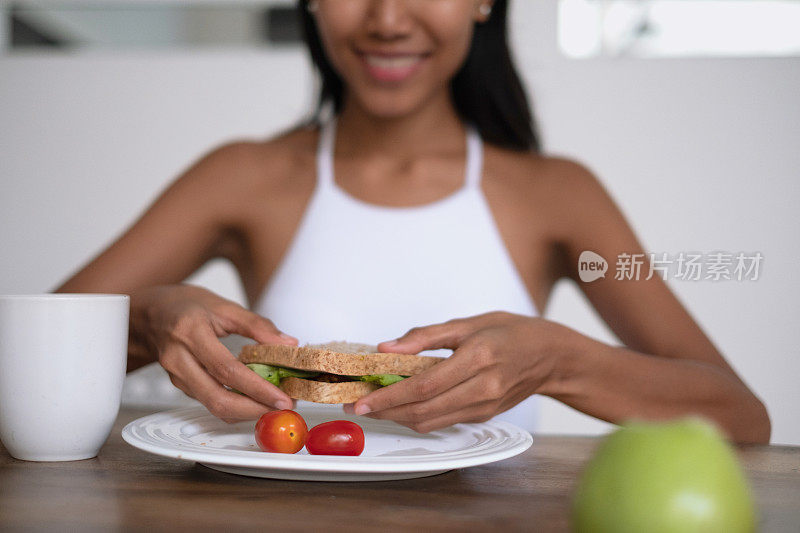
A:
x: 486, y: 91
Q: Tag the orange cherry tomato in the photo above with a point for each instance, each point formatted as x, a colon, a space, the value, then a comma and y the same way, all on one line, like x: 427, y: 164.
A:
x: 281, y: 432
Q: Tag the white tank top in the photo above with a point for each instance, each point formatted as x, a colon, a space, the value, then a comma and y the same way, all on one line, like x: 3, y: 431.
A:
x: 361, y: 272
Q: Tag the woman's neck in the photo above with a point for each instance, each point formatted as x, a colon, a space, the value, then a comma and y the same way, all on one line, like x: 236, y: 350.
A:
x: 434, y: 127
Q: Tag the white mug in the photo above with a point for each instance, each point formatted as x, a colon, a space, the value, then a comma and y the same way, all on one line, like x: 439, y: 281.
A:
x: 62, y: 364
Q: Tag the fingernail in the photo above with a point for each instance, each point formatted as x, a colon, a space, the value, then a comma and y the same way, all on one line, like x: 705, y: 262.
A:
x: 284, y: 404
x: 391, y: 343
x: 348, y: 408
x: 362, y: 410
x: 288, y: 337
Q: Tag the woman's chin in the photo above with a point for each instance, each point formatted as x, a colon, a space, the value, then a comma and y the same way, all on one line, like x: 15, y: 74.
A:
x: 389, y: 106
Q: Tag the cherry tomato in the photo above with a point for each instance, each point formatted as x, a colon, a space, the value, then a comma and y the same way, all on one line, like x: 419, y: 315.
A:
x: 339, y: 437
x: 281, y: 432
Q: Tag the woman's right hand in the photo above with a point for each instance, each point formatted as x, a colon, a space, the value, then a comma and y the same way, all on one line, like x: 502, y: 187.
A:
x: 180, y: 326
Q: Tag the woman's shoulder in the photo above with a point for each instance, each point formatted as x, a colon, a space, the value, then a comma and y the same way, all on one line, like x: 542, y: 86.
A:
x: 557, y: 198
x: 235, y: 178
x: 549, y: 177
x: 264, y: 162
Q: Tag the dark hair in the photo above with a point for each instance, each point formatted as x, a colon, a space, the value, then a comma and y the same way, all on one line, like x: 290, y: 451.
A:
x: 487, y: 90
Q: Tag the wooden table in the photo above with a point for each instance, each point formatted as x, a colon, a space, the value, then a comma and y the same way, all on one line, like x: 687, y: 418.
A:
x: 127, y: 489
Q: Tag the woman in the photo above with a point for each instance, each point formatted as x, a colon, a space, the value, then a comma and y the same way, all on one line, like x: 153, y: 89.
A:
x: 372, y: 223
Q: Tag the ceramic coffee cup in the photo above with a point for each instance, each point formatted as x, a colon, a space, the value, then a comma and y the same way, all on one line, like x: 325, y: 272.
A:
x: 62, y: 365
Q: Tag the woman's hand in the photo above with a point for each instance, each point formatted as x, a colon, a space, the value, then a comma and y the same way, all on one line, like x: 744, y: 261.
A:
x: 499, y: 360
x: 181, y: 325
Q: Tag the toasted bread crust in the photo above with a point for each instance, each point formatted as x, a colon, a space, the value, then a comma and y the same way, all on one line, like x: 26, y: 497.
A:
x: 321, y: 392
x: 326, y: 360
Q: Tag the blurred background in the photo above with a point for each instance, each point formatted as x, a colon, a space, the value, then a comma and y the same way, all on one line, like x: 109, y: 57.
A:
x: 687, y: 111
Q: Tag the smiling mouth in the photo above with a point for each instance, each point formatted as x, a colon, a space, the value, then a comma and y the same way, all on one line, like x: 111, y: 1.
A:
x: 391, y: 68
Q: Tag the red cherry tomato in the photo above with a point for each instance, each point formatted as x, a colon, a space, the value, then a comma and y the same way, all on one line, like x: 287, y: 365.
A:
x: 281, y: 432
x: 339, y: 437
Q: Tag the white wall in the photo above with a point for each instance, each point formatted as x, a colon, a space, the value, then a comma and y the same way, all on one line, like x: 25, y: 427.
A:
x: 701, y: 155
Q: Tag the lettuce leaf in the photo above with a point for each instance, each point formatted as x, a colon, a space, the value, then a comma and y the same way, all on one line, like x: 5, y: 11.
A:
x: 382, y: 379
x: 268, y: 372
x: 294, y: 373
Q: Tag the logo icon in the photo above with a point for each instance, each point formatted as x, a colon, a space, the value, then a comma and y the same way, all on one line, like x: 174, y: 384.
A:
x: 591, y: 266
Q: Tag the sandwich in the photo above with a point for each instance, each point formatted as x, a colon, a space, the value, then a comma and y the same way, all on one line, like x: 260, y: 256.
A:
x: 336, y: 372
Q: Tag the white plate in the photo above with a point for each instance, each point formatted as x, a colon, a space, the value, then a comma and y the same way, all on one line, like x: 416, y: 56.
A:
x: 391, y: 451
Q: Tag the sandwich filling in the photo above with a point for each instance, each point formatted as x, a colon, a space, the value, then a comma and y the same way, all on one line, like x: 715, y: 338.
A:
x: 274, y: 374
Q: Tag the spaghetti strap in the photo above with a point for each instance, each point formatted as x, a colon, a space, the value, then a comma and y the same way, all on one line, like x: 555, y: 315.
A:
x: 474, y: 158
x: 327, y: 138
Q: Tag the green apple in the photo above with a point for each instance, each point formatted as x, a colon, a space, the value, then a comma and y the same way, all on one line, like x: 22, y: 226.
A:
x: 664, y: 477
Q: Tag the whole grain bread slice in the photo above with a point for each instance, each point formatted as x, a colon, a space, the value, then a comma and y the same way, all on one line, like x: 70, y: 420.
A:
x: 338, y: 358
x: 322, y: 392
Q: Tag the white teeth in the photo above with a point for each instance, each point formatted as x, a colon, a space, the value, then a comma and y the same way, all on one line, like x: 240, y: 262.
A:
x: 392, y: 62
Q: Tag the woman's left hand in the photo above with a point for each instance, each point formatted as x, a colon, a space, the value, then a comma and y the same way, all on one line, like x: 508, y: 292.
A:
x: 499, y: 359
